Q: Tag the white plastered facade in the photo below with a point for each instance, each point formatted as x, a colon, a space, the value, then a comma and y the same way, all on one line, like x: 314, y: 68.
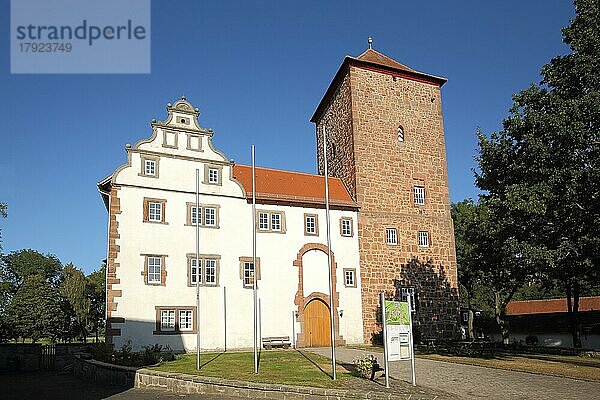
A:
x: 178, y: 150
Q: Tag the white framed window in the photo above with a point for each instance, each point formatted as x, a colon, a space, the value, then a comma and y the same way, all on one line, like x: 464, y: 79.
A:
x: 423, y: 239
x: 186, y: 320
x: 195, y: 272
x: 310, y: 224
x: 150, y: 167
x: 275, y: 222
x: 167, y: 320
x: 346, y: 227
x: 213, y: 175
x: 419, y: 195
x: 194, y: 215
x: 349, y: 277
x: 210, y: 216
x: 263, y: 221
x: 210, y: 271
x: 391, y: 236
x: 154, y: 212
x: 248, y: 274
x: 405, y: 293
x: 154, y: 270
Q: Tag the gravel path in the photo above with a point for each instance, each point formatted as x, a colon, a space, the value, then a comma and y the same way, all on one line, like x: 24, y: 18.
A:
x: 472, y: 382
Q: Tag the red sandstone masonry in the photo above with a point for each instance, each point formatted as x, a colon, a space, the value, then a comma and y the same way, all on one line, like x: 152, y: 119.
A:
x: 112, y: 265
x: 362, y: 119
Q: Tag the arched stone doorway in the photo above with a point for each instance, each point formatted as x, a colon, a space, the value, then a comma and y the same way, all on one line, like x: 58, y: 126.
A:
x: 316, y: 304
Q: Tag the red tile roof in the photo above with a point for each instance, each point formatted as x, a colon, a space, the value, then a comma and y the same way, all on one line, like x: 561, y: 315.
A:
x: 376, y: 57
x: 550, y: 306
x: 292, y: 187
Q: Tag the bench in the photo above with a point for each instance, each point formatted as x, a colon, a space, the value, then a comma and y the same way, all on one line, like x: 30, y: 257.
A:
x: 276, y: 341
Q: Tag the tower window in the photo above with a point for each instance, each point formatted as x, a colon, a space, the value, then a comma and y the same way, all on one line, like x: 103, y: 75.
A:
x: 391, y: 236
x: 423, y: 238
x: 400, y: 133
x: 419, y: 195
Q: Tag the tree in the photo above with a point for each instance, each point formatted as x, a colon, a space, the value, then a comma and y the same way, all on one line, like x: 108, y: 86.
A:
x: 96, y: 291
x: 31, y: 268
x: 74, y: 288
x: 541, y: 173
x: 35, y: 310
x: 465, y: 215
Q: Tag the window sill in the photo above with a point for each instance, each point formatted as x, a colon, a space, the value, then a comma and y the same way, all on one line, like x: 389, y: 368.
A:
x: 204, y: 226
x: 173, y: 332
x: 156, y: 222
x: 147, y: 176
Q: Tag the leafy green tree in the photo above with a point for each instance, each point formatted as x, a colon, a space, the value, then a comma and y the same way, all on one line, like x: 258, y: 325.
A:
x: 17, y: 266
x: 74, y: 288
x: 35, y: 310
x: 541, y: 173
x: 96, y: 292
x: 465, y: 215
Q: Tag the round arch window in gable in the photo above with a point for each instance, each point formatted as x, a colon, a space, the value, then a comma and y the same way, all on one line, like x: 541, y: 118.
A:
x: 400, y: 133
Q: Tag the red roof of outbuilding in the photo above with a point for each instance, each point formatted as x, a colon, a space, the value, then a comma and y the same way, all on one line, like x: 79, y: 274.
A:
x: 549, y: 306
x: 274, y: 185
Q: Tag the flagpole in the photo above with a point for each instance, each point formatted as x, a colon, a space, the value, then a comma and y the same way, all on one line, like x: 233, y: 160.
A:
x: 331, y: 310
x: 254, y: 274
x: 198, y: 268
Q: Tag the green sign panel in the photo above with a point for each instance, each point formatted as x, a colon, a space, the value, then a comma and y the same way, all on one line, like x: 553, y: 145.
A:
x: 396, y: 313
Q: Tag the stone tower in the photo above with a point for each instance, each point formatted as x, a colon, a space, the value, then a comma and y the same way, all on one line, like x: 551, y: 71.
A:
x: 386, y: 142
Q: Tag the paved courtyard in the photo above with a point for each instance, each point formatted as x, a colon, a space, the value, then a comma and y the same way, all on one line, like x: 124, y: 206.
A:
x: 472, y: 382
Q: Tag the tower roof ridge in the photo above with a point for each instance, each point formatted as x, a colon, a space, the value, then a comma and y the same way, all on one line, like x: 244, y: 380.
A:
x: 375, y: 57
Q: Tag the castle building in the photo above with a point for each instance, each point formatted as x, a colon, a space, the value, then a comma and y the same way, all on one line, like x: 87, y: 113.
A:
x: 390, y: 223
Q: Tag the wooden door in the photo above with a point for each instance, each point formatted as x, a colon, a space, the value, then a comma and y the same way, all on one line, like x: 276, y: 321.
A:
x: 317, y: 325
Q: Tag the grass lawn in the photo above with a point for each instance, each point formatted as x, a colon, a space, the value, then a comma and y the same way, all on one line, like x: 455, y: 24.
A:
x: 289, y: 367
x: 567, y: 366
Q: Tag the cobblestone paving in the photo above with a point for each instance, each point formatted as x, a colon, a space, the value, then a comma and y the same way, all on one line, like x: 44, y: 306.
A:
x: 472, y: 382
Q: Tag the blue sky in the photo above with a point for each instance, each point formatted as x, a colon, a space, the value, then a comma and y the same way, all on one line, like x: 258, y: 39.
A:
x: 256, y: 70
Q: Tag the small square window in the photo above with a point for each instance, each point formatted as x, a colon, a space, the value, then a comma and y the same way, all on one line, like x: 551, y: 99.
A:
x: 275, y: 222
x: 350, y: 277
x: 346, y: 227
x: 210, y: 216
x: 391, y: 236
x: 210, y: 269
x: 194, y: 215
x: 248, y: 274
x: 150, y: 167
x: 195, y: 274
x: 310, y: 224
x: 154, y: 269
x: 419, y: 195
x: 186, y: 320
x: 213, y: 175
x: 154, y: 212
x: 263, y: 221
x: 423, y: 239
x: 167, y: 320
x: 406, y: 293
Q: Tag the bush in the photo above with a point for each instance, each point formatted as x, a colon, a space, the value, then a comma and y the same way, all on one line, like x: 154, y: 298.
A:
x: 364, y: 365
x: 531, y: 340
x: 150, y: 355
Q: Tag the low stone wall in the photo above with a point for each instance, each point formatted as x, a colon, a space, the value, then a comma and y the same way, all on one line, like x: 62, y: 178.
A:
x: 192, y: 384
x: 103, y: 373
x: 21, y: 356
